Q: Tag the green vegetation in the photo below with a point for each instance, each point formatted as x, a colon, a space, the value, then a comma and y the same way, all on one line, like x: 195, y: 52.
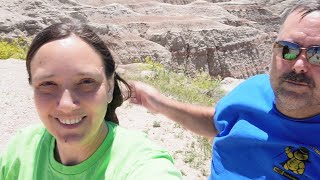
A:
x: 198, y: 89
x: 15, y: 49
x: 197, y: 153
x: 156, y: 124
x: 205, y: 146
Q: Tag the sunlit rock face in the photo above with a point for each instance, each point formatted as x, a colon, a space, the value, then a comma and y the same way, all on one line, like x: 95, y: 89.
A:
x: 223, y: 37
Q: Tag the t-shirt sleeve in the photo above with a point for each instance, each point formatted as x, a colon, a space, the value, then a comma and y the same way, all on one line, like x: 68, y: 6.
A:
x: 8, y: 156
x: 13, y: 155
x: 135, y: 156
x: 157, y: 168
x: 1, y: 167
x: 145, y: 159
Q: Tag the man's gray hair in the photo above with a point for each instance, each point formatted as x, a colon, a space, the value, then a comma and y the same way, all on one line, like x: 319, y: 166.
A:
x: 304, y: 7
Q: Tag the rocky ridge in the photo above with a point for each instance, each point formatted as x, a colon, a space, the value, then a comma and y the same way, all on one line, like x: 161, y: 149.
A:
x: 222, y: 37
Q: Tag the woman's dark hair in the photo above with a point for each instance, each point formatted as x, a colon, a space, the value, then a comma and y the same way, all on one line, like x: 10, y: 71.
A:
x: 63, y: 30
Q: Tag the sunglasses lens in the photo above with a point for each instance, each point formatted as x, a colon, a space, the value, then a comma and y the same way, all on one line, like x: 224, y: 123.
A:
x: 288, y: 50
x: 313, y: 55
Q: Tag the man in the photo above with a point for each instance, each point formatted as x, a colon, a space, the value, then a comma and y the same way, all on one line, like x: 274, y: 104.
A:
x: 268, y: 127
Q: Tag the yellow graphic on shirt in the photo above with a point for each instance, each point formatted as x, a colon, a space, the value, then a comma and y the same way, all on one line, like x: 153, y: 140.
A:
x: 297, y: 160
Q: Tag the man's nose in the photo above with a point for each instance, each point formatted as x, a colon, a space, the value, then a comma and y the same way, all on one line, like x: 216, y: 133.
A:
x: 301, y: 64
x: 67, y: 102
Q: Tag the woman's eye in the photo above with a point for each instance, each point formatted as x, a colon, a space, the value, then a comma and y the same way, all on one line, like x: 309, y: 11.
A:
x: 47, y: 84
x: 87, y: 85
x: 87, y: 81
x: 47, y: 87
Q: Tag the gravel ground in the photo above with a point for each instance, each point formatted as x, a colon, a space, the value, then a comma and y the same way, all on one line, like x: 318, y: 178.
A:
x: 18, y: 111
x: 16, y: 103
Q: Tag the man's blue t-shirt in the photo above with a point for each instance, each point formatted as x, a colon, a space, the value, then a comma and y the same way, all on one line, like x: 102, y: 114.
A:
x: 255, y: 141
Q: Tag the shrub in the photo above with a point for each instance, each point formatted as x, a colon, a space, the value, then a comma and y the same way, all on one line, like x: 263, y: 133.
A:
x: 198, y: 89
x: 15, y: 49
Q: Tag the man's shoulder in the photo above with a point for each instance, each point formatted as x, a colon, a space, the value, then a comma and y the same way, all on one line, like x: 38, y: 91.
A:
x: 255, y: 82
x: 255, y: 92
x: 258, y: 85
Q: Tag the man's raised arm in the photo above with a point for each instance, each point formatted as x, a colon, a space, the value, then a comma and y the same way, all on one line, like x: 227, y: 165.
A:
x: 198, y: 119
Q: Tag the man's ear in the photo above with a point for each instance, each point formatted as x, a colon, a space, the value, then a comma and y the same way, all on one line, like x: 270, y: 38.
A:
x: 110, y: 83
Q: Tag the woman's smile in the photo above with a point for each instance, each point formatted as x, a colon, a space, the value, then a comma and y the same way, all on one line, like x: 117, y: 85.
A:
x: 70, y: 122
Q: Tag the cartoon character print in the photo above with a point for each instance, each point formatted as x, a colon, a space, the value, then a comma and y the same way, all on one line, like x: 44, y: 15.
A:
x: 293, y: 162
x: 297, y: 159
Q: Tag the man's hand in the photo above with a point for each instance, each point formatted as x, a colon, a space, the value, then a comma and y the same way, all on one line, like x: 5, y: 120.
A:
x: 145, y: 95
x: 198, y: 119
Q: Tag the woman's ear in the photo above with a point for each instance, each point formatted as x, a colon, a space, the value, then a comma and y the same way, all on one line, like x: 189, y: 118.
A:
x: 110, y: 82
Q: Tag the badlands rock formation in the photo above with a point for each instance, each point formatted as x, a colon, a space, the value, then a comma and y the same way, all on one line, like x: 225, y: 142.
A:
x: 222, y: 37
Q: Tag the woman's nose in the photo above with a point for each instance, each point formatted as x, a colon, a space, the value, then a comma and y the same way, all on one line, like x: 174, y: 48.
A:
x: 67, y: 103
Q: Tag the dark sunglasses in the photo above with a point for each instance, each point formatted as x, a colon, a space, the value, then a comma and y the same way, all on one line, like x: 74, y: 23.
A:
x: 290, y: 51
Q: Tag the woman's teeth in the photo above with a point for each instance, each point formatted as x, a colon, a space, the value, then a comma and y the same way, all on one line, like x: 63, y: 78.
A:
x: 70, y: 121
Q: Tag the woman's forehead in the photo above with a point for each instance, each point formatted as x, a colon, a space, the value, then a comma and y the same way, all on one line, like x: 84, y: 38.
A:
x: 68, y: 48
x: 67, y: 53
x: 69, y: 42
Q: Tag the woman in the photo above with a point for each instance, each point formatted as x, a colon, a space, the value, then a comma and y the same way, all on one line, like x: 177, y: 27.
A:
x: 76, y: 93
